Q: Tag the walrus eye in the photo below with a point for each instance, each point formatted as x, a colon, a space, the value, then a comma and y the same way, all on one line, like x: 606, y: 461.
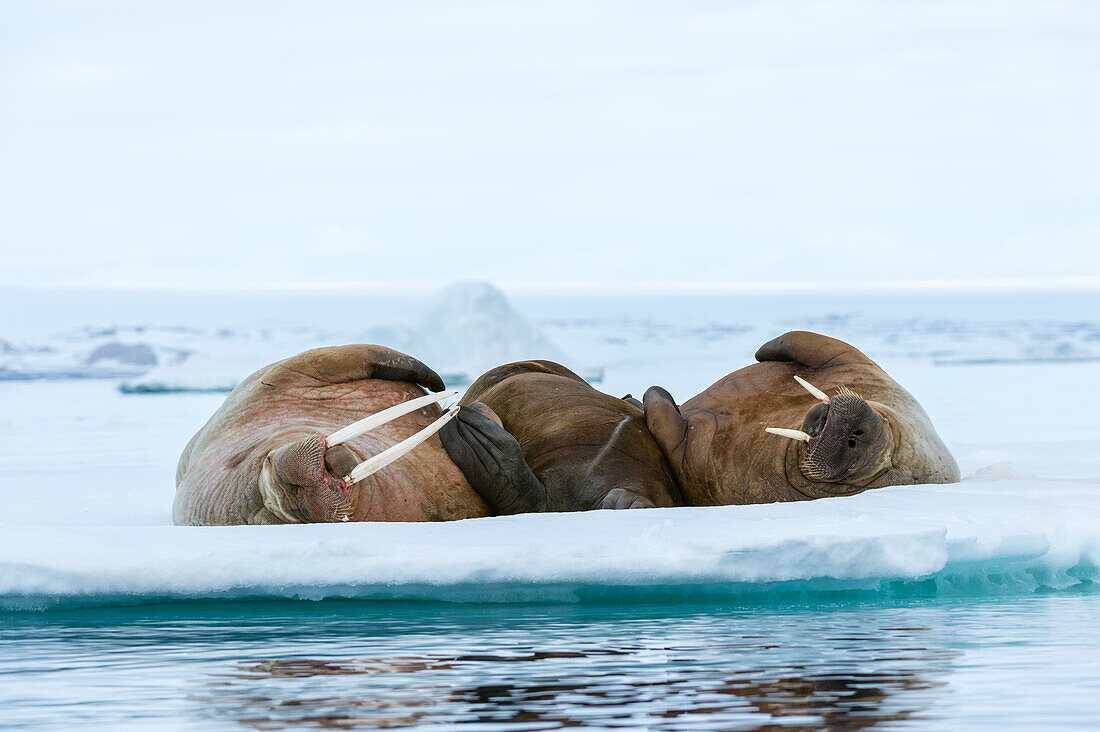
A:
x: 851, y: 443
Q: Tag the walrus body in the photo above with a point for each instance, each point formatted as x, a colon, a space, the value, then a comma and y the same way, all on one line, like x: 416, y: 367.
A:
x: 262, y: 457
x: 578, y: 448
x: 872, y: 433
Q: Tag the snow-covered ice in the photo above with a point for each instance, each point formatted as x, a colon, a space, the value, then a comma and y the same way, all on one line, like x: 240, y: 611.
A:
x: 982, y: 536
x: 86, y: 479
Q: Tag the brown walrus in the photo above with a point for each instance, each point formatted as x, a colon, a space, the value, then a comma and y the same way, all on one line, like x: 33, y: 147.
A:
x: 280, y: 449
x: 540, y: 438
x: 870, y: 433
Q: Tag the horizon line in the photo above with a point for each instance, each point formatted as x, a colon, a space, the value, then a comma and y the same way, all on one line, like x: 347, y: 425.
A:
x: 1075, y: 283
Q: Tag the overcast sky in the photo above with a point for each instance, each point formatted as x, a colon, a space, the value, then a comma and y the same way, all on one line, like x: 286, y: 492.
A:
x: 266, y: 144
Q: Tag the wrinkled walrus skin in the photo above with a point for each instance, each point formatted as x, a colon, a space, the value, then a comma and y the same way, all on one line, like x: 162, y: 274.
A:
x: 721, y: 454
x: 261, y: 458
x: 872, y: 433
x: 565, y: 446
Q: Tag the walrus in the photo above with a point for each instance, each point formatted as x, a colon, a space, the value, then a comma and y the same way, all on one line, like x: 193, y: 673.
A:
x: 280, y: 449
x: 724, y: 446
x: 534, y: 436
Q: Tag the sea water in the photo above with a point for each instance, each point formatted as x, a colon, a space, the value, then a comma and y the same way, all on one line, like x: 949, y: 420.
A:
x: 1020, y: 663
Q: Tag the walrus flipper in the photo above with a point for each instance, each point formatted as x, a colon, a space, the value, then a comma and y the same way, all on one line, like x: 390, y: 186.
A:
x: 812, y: 350
x: 623, y: 498
x: 680, y: 438
x: 492, y: 462
x: 341, y: 364
x: 663, y: 419
x: 667, y: 425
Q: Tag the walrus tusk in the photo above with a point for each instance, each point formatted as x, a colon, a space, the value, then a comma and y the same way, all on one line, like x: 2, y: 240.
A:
x: 812, y: 389
x: 793, y: 434
x: 387, y: 456
x: 365, y: 425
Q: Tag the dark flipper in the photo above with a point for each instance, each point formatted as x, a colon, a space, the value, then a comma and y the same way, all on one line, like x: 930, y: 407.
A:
x: 665, y: 423
x: 810, y: 349
x: 633, y: 400
x: 621, y: 498
x: 341, y: 364
x: 491, y: 460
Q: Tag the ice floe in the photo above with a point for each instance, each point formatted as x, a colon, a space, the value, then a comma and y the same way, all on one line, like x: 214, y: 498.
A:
x: 977, y: 537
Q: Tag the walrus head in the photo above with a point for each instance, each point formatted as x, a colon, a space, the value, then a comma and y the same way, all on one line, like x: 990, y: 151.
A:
x: 847, y: 443
x: 315, y: 480
x: 846, y: 440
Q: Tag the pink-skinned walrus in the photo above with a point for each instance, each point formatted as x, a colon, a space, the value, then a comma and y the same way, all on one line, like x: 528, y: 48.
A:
x: 319, y: 437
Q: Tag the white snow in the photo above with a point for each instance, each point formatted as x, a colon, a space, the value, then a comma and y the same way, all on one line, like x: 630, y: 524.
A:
x: 978, y: 537
x: 86, y: 478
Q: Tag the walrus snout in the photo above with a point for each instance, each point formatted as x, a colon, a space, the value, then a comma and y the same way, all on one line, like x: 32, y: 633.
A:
x: 844, y: 436
x: 299, y: 481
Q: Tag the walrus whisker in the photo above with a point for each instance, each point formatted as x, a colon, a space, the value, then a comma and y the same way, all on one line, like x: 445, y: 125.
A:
x: 341, y: 508
x: 820, y: 395
x: 389, y: 414
x: 845, y: 391
x: 791, y: 434
x: 387, y: 456
x: 812, y: 469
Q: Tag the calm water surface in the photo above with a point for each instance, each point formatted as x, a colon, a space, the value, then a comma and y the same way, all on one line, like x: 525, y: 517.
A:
x: 1024, y: 662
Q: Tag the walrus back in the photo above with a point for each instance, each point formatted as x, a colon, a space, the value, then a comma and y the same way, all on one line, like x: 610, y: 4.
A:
x: 500, y: 374
x: 577, y: 440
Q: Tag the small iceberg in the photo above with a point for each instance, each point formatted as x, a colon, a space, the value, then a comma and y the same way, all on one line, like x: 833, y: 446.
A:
x: 470, y: 327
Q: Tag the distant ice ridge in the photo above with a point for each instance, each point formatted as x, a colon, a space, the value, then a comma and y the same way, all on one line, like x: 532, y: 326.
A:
x: 467, y: 329
x: 975, y: 538
x: 471, y: 327
x: 156, y: 358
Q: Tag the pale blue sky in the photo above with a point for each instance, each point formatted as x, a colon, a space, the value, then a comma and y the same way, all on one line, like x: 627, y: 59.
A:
x: 267, y: 144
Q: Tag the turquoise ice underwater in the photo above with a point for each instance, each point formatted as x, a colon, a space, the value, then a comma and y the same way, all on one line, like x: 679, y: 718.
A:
x: 960, y: 606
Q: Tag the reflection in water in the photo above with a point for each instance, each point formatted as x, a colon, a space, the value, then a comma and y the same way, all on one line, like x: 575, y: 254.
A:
x: 331, y: 665
x: 689, y: 686
x: 311, y: 667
